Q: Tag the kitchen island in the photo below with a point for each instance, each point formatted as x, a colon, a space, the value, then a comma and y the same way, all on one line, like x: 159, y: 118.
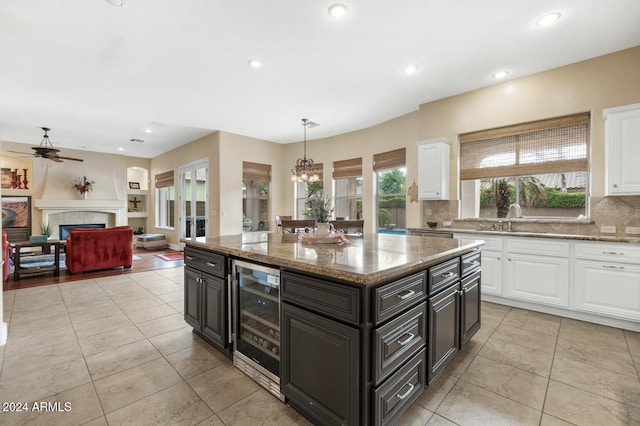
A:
x: 364, y: 327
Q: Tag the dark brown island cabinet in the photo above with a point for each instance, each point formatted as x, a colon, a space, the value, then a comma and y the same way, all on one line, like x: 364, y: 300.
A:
x: 351, y: 353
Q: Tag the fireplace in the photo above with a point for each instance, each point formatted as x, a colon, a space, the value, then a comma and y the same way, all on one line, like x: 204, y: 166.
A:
x: 64, y: 229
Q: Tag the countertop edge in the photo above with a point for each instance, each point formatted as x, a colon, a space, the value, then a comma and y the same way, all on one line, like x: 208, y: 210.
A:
x: 353, y: 277
x: 551, y: 235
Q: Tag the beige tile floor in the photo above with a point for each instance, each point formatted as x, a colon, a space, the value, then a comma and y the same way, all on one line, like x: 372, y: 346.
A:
x: 118, y: 351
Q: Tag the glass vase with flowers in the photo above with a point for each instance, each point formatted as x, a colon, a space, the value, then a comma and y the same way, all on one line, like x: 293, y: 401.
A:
x: 83, y: 185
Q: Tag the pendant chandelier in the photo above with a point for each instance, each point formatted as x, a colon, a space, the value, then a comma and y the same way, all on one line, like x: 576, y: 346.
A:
x: 305, y: 170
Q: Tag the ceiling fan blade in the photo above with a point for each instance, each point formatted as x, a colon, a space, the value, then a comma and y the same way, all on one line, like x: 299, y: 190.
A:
x: 23, y: 153
x: 67, y: 158
x: 56, y: 159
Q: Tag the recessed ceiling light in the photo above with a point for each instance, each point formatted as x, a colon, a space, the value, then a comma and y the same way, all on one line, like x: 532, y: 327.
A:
x: 500, y: 75
x: 254, y: 63
x: 338, y: 10
x: 411, y: 69
x: 115, y: 2
x: 549, y: 19
x: 147, y: 130
x: 120, y: 148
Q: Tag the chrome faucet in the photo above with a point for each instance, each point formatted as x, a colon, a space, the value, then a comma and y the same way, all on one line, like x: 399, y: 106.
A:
x: 518, y: 214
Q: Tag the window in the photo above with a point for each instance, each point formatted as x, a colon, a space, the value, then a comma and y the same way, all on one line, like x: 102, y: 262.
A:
x: 391, y: 177
x: 256, y: 180
x: 305, y: 190
x: 165, y: 200
x: 542, y: 166
x: 347, y: 175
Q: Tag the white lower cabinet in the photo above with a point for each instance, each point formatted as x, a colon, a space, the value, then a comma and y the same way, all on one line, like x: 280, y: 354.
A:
x: 491, y: 272
x: 586, y: 280
x: 541, y: 279
x: 607, y: 279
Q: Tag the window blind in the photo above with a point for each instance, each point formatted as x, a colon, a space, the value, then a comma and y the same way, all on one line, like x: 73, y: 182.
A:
x: 347, y: 168
x: 319, y: 167
x: 389, y: 160
x: 164, y: 179
x: 256, y: 171
x: 546, y: 146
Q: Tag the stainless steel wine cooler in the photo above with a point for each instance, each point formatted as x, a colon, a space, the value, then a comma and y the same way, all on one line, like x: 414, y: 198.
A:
x: 256, y: 324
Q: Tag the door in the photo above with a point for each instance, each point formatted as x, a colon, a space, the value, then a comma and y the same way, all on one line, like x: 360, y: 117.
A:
x: 192, y: 298
x: 444, y: 330
x: 320, y: 367
x: 214, y: 310
x: 470, y: 307
x: 194, y: 199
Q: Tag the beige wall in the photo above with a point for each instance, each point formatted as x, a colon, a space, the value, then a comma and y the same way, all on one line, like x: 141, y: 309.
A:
x: 234, y: 149
x: 205, y: 148
x: 592, y: 85
x: 401, y: 132
x: 54, y: 181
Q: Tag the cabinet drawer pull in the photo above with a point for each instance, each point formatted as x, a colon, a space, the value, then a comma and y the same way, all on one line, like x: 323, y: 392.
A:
x: 405, y: 295
x: 612, y: 267
x: 613, y: 253
x: 447, y: 275
x: 213, y: 265
x: 190, y: 257
x: 407, y: 393
x: 409, y: 338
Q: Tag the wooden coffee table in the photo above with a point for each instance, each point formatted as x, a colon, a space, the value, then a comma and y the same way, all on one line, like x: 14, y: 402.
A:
x: 36, y: 270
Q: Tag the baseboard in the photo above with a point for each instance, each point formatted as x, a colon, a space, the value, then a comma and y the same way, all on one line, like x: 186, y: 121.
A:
x: 176, y: 247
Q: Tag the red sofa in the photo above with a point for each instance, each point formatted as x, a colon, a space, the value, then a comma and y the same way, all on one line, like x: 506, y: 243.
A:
x: 92, y: 249
x: 6, y: 256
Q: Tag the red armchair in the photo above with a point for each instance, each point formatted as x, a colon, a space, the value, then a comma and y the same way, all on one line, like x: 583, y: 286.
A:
x: 92, y: 249
x: 6, y: 256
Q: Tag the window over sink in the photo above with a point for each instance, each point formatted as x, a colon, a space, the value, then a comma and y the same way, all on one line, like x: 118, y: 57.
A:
x: 542, y: 166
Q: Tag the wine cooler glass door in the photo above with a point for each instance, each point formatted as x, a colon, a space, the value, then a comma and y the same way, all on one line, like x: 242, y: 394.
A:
x: 258, y: 314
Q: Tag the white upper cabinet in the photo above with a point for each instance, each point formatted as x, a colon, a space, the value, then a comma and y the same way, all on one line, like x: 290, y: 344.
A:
x: 433, y: 169
x: 622, y: 149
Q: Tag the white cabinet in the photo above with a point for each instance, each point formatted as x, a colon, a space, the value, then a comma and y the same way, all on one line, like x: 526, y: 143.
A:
x: 537, y: 270
x: 433, y: 169
x: 491, y: 262
x: 622, y: 150
x: 607, y: 279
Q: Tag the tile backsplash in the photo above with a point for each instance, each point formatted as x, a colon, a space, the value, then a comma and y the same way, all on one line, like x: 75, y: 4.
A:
x: 619, y: 212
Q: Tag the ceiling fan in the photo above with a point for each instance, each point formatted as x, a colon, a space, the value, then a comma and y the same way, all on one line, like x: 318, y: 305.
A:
x: 47, y: 151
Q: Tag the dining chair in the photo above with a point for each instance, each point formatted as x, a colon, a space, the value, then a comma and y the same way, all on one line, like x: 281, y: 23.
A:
x: 346, y: 226
x: 279, y: 219
x: 293, y: 226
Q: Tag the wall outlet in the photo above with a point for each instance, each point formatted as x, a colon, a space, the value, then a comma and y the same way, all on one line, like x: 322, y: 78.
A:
x: 632, y: 230
x: 608, y: 229
x: 446, y: 223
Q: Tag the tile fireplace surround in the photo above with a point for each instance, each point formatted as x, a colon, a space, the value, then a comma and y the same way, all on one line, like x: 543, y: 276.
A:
x: 60, y: 212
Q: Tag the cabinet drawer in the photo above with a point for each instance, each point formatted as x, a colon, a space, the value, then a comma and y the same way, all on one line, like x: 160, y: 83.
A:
x: 443, y: 274
x: 396, y: 395
x: 338, y: 301
x: 469, y: 262
x: 397, y: 340
x: 626, y: 253
x: 393, y: 298
x: 540, y: 246
x: 205, y: 261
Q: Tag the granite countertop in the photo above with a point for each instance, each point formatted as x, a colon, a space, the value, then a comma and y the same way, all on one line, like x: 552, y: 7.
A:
x: 480, y: 232
x: 366, y: 260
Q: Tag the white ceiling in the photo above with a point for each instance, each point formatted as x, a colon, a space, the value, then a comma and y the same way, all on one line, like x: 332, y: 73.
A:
x: 98, y: 75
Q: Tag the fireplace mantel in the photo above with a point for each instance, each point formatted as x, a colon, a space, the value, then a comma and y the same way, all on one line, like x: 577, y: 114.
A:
x: 115, y: 207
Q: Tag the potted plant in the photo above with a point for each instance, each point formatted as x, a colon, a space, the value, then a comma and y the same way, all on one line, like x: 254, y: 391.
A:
x: 319, y: 208
x: 45, y: 229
